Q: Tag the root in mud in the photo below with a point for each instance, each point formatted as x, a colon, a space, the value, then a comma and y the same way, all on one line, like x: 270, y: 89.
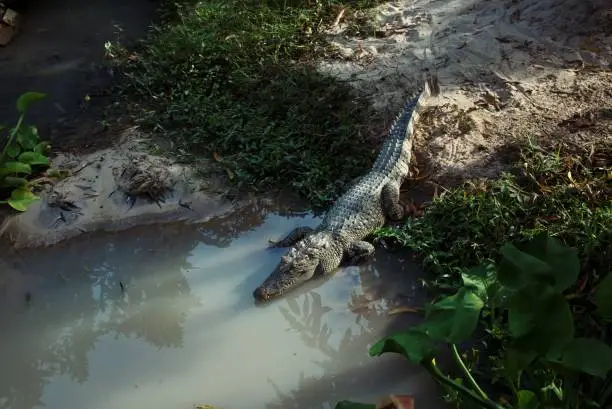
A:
x: 144, y: 176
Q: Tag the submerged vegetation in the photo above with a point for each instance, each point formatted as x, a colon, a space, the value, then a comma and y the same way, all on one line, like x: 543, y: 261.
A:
x: 541, y: 304
x: 235, y: 81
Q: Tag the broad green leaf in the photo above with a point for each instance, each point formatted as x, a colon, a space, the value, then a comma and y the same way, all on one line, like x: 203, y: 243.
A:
x: 11, y: 181
x: 453, y: 319
x: 483, y: 281
x: 33, y: 158
x: 13, y: 150
x: 415, y: 345
x: 588, y: 355
x: 603, y: 297
x: 26, y: 99
x: 542, y: 259
x: 17, y: 167
x: 27, y: 137
x: 345, y: 404
x: 519, y: 269
x: 527, y: 400
x: 21, y: 198
x: 517, y: 360
x: 562, y: 259
x: 540, y: 319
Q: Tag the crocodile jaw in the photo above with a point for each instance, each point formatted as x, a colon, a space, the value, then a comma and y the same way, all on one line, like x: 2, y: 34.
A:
x: 288, y: 274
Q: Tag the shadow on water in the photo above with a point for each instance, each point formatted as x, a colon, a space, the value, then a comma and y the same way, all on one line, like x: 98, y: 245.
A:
x: 162, y: 316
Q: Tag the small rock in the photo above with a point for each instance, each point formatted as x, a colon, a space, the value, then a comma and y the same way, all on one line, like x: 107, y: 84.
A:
x: 6, y: 34
x: 9, y: 24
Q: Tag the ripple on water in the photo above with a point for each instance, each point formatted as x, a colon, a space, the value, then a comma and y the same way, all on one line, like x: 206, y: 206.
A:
x: 163, y: 317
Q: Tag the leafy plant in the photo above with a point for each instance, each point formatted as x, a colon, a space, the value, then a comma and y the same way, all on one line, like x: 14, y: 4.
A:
x: 23, y: 154
x: 563, y: 190
x: 521, y: 302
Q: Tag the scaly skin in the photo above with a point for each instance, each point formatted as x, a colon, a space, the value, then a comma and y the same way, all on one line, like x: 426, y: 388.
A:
x: 363, y: 209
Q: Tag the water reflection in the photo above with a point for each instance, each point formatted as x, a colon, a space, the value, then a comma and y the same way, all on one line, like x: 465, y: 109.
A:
x: 162, y: 317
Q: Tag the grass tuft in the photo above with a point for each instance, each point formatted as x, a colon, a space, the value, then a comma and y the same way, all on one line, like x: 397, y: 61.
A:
x: 564, y: 191
x: 235, y: 80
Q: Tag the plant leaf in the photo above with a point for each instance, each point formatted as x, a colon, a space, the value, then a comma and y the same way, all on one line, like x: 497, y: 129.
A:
x: 516, y: 360
x: 33, y: 158
x: 527, y: 400
x: 478, y: 279
x: 11, y: 181
x: 603, y: 297
x: 453, y: 319
x: 540, y: 319
x: 588, y: 355
x: 563, y: 260
x: 13, y: 150
x: 21, y: 198
x: 17, y: 167
x: 28, y: 137
x: 542, y: 259
x: 26, y: 99
x: 518, y: 269
x: 345, y: 404
x: 414, y: 344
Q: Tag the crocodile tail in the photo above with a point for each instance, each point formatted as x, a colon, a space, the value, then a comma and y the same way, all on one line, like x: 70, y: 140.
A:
x: 401, y: 132
x: 431, y: 88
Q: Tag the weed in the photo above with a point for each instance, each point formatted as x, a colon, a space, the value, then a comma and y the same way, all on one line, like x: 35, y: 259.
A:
x: 561, y: 191
x: 22, y: 156
x: 235, y: 81
x: 544, y: 362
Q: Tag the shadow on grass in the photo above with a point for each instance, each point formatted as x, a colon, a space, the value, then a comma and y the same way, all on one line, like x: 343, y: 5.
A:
x: 235, y: 81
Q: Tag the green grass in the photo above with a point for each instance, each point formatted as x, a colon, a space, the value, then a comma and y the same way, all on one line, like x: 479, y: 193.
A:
x: 235, y: 80
x: 564, y: 191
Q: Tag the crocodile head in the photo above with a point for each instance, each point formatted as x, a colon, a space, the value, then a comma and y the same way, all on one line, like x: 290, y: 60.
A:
x: 295, y: 268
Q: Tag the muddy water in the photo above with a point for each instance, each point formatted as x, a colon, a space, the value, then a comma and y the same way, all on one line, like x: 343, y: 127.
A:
x: 162, y: 317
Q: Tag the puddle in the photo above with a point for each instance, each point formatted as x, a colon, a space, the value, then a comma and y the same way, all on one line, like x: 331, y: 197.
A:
x: 163, y: 317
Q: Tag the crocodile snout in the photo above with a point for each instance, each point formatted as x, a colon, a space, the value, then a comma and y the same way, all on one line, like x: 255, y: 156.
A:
x: 260, y: 294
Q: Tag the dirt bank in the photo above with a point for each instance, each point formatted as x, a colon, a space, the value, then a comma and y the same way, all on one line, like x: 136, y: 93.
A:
x: 113, y: 189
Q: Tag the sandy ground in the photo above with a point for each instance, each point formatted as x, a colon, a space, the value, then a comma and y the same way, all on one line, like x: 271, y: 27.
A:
x: 509, y: 70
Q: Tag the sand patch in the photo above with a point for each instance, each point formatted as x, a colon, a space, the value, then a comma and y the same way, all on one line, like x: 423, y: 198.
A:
x: 113, y: 189
x: 509, y: 70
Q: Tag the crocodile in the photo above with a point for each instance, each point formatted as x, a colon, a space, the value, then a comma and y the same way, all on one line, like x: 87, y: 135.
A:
x: 360, y: 211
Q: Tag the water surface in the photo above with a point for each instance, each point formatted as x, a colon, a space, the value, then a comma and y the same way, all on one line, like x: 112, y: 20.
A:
x: 163, y: 317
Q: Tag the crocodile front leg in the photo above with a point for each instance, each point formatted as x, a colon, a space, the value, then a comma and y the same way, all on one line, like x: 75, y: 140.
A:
x: 293, y: 237
x: 390, y: 201
x: 329, y: 261
x: 358, y: 252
